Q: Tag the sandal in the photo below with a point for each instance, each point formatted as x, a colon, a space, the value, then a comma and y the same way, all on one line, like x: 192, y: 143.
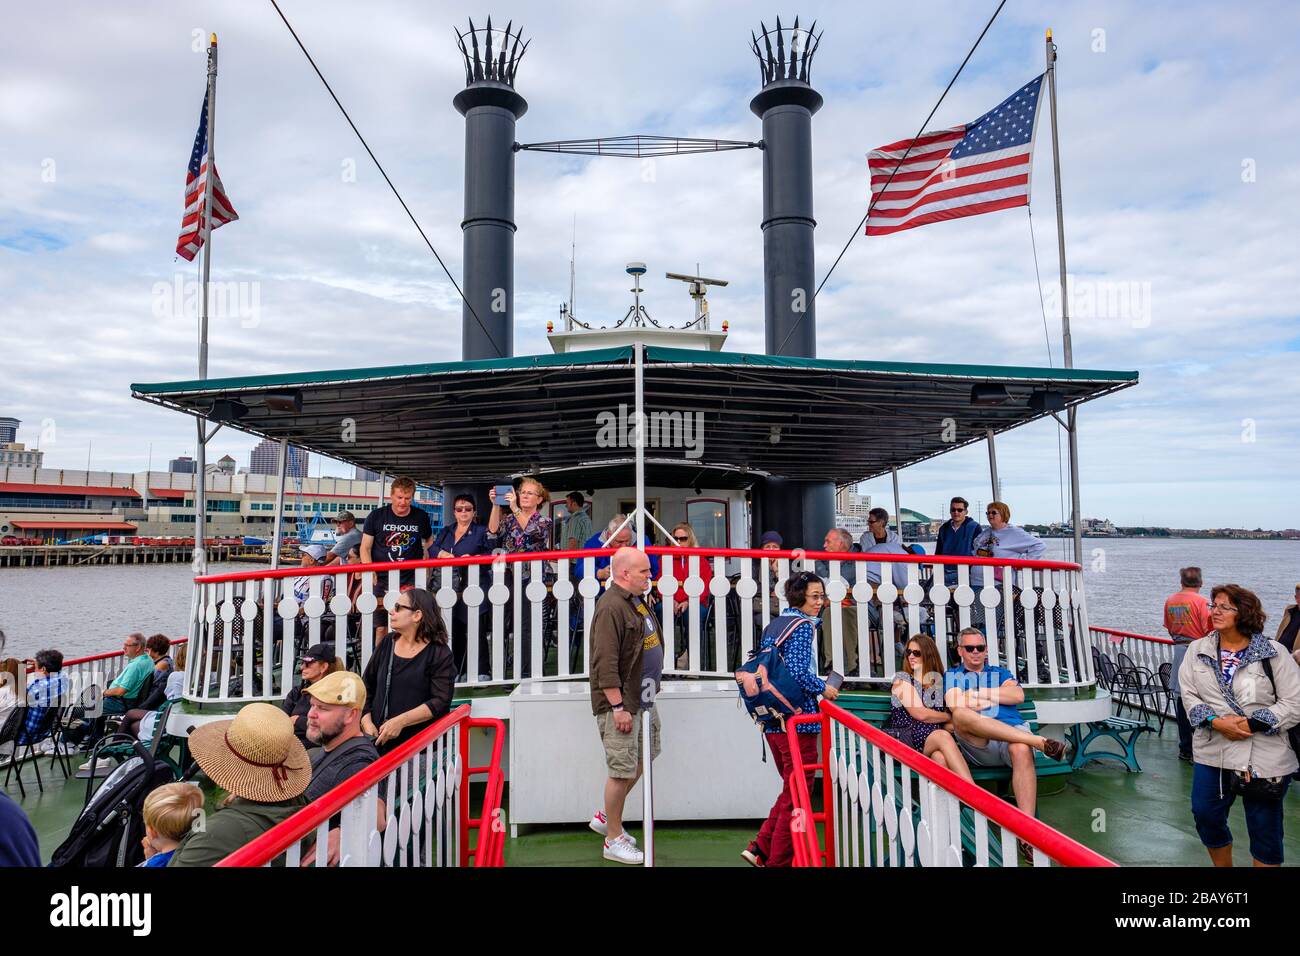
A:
x: 1053, y: 748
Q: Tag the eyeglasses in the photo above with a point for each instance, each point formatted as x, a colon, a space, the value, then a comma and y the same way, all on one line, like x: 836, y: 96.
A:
x: 974, y: 648
x: 913, y: 653
x: 468, y: 508
x: 990, y: 514
x: 1224, y: 608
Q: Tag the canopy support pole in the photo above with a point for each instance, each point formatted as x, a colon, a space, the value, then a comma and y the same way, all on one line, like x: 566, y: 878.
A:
x: 898, y: 511
x: 277, y: 538
x: 993, y: 466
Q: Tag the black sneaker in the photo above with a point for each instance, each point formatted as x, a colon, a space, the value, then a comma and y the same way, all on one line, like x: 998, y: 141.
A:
x: 1184, y: 756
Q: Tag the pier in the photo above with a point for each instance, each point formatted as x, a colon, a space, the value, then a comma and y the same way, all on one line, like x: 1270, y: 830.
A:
x: 72, y: 555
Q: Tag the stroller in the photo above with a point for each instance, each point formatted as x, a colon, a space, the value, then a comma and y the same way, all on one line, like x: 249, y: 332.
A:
x: 109, y: 829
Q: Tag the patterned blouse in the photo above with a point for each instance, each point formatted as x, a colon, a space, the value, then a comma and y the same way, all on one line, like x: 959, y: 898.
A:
x: 534, y: 536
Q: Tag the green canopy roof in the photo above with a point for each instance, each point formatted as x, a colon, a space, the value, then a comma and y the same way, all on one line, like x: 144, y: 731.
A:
x: 832, y: 419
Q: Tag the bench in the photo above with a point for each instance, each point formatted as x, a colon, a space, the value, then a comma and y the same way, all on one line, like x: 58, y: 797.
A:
x: 1121, y: 730
x: 874, y: 709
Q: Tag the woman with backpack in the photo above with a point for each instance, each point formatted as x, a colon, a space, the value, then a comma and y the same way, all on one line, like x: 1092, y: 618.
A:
x: 796, y: 629
x: 1241, y: 692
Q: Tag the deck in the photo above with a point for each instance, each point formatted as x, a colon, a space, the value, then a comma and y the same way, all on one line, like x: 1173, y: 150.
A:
x: 1147, y: 819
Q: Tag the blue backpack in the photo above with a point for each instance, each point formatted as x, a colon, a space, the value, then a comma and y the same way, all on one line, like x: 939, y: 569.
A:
x: 767, y: 688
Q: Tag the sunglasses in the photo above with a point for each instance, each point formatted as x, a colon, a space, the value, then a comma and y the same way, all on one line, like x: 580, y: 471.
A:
x: 956, y: 511
x: 466, y: 508
x: 399, y: 606
x: 682, y: 539
x: 913, y: 653
x: 974, y: 648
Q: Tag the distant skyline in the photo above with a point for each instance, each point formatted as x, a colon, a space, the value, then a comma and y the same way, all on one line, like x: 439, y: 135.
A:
x: 1180, y: 169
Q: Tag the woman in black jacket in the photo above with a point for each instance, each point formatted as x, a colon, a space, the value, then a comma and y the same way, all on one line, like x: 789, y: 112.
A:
x: 410, y: 677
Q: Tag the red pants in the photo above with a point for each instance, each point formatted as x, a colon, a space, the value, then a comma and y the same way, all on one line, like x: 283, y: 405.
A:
x: 773, y: 839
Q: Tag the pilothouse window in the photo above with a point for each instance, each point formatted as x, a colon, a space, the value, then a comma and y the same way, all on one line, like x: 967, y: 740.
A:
x: 709, y: 518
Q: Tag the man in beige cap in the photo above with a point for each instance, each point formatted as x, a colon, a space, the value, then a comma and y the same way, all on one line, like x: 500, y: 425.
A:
x: 259, y: 762
x: 334, y: 722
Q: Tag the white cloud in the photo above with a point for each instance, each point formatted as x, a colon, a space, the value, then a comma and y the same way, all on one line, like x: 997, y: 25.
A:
x: 1154, y: 133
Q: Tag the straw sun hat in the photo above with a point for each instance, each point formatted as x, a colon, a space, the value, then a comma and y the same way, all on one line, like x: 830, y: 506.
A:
x: 255, y: 756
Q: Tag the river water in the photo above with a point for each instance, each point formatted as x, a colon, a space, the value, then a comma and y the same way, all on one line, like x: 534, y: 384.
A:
x: 88, y: 610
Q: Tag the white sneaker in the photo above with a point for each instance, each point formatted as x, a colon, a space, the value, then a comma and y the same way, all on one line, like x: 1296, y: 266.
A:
x: 623, y: 850
x: 601, y: 826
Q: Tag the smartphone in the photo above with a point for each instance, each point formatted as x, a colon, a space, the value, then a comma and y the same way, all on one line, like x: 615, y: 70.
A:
x: 834, y: 679
x: 501, y: 492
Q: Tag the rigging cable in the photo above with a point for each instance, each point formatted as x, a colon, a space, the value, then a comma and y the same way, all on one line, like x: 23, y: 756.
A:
x: 380, y: 167
x: 897, y: 167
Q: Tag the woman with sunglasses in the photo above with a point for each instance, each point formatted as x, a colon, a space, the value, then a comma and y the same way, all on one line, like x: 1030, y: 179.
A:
x: 917, y: 716
x: 1241, y: 692
x: 684, y: 537
x: 806, y: 594
x: 523, y: 528
x: 462, y: 538
x: 410, y: 677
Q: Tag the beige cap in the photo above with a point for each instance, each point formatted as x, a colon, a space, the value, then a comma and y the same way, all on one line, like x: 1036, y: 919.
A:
x: 340, y: 687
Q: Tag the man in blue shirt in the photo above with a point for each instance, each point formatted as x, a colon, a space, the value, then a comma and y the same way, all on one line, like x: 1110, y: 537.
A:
x: 133, y: 681
x: 610, y: 540
x: 957, y: 537
x: 990, y: 731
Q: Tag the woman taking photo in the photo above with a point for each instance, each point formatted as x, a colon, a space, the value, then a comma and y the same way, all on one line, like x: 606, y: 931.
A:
x: 462, y: 538
x: 524, y: 529
x: 917, y: 716
x: 1241, y: 692
x: 806, y: 594
x: 410, y: 677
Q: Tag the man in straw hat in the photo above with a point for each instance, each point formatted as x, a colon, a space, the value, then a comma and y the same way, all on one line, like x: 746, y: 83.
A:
x: 257, y: 760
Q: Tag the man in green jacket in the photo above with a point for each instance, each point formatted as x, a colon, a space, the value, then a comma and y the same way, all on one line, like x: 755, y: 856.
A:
x: 627, y: 661
x: 257, y: 760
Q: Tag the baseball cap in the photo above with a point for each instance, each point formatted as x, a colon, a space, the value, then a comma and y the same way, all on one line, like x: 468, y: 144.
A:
x: 340, y: 687
x: 317, y: 551
x: 344, y: 516
x: 321, y: 653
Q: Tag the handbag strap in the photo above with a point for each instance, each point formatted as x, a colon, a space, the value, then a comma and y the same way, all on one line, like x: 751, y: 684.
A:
x: 388, y: 678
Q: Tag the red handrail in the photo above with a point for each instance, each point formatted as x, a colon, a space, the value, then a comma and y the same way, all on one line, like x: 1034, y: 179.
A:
x: 489, y: 848
x: 288, y: 832
x: 1058, y: 846
x: 103, y: 657
x: 659, y: 550
x: 1129, y: 634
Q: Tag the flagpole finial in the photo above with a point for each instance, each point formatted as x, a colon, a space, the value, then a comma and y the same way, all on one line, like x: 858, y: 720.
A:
x: 214, y: 38
x: 1049, y: 33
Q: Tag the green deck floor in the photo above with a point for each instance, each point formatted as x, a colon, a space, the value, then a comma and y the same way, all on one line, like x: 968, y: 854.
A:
x: 1144, y: 819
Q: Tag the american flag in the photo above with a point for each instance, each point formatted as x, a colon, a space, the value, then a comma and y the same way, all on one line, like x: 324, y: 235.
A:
x: 964, y: 171
x: 196, y: 181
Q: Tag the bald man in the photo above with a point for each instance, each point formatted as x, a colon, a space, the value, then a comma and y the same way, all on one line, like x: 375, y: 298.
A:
x: 627, y: 661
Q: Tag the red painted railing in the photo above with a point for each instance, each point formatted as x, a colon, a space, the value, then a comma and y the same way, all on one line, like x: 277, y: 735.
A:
x: 1053, y: 844
x: 1129, y: 635
x: 488, y: 826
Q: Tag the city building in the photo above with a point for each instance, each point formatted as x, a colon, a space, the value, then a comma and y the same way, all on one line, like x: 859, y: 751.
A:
x: 184, y: 465
x: 850, y: 504
x: 225, y: 466
x: 16, y: 453
x: 365, y: 474
x: 265, y: 460
x: 9, y: 430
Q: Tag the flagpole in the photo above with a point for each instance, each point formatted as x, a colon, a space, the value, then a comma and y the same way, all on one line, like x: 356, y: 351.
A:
x: 201, y: 481
x: 1076, y: 517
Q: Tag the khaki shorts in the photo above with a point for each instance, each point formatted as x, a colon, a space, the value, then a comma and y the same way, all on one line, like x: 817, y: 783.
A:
x: 623, y: 751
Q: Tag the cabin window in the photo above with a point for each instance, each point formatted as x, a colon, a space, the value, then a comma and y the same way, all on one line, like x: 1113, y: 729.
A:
x: 709, y: 518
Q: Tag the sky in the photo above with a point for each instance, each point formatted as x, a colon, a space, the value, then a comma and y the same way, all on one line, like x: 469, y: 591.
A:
x: 1180, y: 159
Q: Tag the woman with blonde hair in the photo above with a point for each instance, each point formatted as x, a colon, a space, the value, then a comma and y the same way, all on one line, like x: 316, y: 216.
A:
x: 918, y: 716
x: 524, y: 529
x: 684, y: 537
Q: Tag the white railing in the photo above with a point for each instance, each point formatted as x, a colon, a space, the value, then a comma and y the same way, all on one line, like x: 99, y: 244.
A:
x: 886, y: 805
x: 1032, y: 612
x: 1136, y: 659
x: 85, y: 678
x: 408, y: 809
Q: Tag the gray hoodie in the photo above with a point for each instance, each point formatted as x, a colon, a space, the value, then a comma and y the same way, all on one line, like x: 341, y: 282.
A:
x: 892, y: 544
x: 1266, y: 753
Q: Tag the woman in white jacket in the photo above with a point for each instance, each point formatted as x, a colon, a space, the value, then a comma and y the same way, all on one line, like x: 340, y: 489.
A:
x: 1241, y: 692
